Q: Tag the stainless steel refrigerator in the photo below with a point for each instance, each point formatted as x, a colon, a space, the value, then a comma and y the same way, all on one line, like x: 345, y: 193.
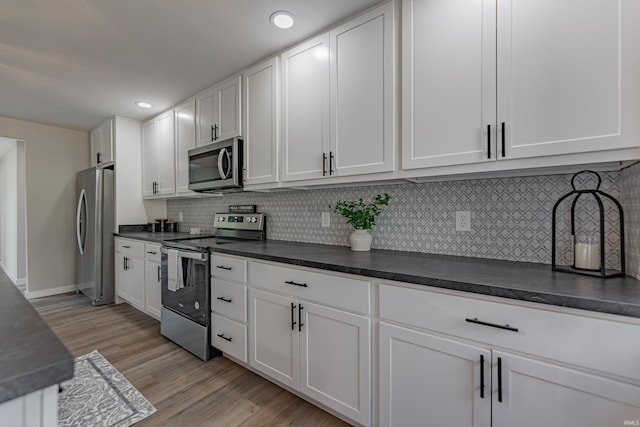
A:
x: 94, y: 235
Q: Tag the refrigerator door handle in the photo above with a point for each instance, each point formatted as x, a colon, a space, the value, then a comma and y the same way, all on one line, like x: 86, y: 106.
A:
x: 82, y: 204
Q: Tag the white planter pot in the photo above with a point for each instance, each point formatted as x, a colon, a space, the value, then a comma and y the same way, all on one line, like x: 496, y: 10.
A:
x: 360, y: 240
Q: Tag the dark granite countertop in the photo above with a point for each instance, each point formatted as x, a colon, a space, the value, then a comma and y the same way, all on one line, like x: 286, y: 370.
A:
x: 514, y: 280
x: 156, y: 237
x: 31, y: 357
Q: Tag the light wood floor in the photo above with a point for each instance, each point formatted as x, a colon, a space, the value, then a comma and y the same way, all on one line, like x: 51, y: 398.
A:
x: 184, y: 390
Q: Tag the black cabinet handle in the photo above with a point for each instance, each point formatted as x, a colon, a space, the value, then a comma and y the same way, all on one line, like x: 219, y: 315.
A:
x: 215, y: 132
x: 324, y: 164
x: 222, y: 267
x: 99, y: 157
x: 125, y: 267
x: 293, y: 321
x: 223, y: 299
x: 488, y: 141
x: 493, y: 325
x: 500, y: 379
x: 126, y: 246
x: 300, y: 324
x: 503, y: 143
x: 152, y: 252
x: 225, y: 338
x: 159, y: 273
x: 482, y: 376
x: 330, y: 162
x: 212, y: 132
x: 291, y: 282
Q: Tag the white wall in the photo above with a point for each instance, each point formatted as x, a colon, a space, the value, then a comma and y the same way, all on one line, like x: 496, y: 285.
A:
x: 9, y: 209
x: 53, y: 155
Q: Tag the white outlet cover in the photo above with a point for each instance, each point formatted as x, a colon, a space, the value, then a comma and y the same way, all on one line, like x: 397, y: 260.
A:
x: 326, y: 219
x: 463, y: 221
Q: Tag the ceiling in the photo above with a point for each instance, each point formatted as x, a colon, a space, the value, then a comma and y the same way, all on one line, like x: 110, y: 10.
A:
x: 73, y: 63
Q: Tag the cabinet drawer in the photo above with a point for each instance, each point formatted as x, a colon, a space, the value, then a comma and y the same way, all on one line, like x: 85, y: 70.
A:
x: 134, y: 248
x: 350, y: 294
x: 229, y: 268
x: 229, y: 299
x: 229, y: 337
x: 152, y: 252
x: 599, y: 344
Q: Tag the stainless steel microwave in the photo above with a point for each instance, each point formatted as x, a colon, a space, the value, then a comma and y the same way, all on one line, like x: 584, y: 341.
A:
x: 216, y: 167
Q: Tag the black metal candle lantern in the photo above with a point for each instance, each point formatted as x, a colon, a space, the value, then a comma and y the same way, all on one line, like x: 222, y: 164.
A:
x: 589, y: 258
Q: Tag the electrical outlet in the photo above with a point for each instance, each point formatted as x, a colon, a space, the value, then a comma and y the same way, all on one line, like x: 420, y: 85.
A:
x: 180, y: 217
x: 463, y: 221
x: 326, y: 219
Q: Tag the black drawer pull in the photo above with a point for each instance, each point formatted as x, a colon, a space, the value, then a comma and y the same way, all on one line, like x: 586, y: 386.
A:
x: 152, y: 252
x: 223, y: 299
x: 222, y: 267
x: 126, y: 246
x: 291, y: 282
x: 481, y: 376
x: 500, y: 379
x: 293, y: 321
x: 225, y: 338
x: 493, y: 325
x: 300, y: 324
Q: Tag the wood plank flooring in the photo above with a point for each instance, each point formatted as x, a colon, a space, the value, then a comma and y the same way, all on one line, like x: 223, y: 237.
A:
x: 185, y: 390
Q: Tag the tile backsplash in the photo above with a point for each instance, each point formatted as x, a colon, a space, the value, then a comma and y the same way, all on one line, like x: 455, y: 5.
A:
x: 510, y: 217
x: 630, y: 183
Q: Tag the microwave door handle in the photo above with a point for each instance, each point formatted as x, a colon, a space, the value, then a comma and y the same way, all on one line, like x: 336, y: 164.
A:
x: 221, y: 171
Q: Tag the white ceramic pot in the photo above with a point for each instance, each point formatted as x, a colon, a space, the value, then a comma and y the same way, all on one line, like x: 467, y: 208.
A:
x: 360, y: 240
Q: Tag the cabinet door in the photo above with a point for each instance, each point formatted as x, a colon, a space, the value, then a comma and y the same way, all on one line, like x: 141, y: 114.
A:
x: 335, y: 360
x: 166, y: 155
x: 572, y: 87
x: 536, y: 393
x: 152, y: 291
x: 150, y: 135
x: 261, y: 135
x: 429, y: 380
x: 273, y: 341
x: 96, y: 146
x: 135, y: 277
x: 362, y: 93
x: 185, y: 123
x: 305, y: 110
x: 122, y: 278
x: 448, y: 82
x: 106, y: 142
x: 227, y: 111
x: 204, y: 117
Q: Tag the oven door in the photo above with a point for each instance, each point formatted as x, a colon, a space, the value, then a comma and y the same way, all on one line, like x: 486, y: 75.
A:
x: 188, y: 296
x: 216, y: 166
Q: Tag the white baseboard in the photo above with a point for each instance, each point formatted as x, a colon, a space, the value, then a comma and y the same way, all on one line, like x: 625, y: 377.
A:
x: 9, y: 273
x: 48, y: 292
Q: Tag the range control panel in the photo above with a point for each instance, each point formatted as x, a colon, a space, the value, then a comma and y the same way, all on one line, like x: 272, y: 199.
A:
x: 239, y: 221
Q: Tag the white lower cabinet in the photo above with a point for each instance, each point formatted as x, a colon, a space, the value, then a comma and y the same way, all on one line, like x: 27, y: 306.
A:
x: 320, y: 351
x: 434, y: 378
x: 138, y: 274
x: 429, y: 380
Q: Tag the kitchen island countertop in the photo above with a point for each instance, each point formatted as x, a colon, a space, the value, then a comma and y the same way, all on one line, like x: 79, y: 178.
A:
x: 31, y: 357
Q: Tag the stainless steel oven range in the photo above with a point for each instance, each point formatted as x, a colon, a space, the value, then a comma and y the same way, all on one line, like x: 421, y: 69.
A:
x: 186, y: 278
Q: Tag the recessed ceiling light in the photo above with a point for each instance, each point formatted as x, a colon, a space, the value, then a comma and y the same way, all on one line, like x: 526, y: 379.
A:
x: 143, y: 104
x: 282, y: 19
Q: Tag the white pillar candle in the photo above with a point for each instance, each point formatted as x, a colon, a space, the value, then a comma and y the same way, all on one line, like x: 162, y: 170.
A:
x: 587, y: 256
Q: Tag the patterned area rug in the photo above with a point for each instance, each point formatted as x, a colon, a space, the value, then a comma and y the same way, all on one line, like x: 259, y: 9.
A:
x: 99, y: 395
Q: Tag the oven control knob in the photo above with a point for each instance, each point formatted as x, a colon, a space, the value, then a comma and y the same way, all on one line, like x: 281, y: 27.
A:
x: 221, y: 219
x: 197, y: 305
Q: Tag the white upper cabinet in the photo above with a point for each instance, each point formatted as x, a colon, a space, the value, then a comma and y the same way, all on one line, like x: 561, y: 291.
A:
x: 448, y: 82
x: 158, y: 156
x: 338, y: 100
x: 218, y: 112
x: 305, y: 110
x: 261, y: 122
x: 573, y: 87
x: 362, y: 93
x: 102, y: 144
x: 185, y: 129
x: 488, y: 84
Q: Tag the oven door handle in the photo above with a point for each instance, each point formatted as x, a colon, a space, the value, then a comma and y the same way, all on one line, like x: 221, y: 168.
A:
x: 200, y: 256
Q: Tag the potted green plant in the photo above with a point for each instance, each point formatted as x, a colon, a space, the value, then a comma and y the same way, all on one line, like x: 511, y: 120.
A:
x: 363, y: 217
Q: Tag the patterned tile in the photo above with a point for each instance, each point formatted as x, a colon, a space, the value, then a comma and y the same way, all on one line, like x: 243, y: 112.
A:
x: 630, y: 188
x: 510, y: 217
